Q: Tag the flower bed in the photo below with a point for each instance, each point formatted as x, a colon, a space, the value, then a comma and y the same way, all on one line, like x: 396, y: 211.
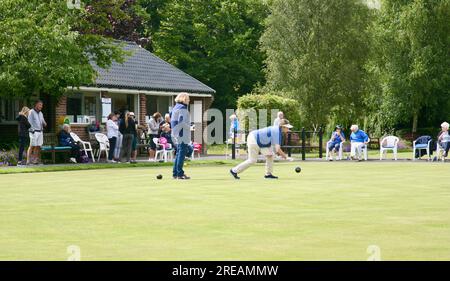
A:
x: 8, y: 158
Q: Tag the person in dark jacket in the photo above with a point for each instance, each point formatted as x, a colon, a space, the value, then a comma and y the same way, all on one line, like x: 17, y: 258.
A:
x: 65, y: 139
x: 166, y: 133
x: 180, y: 123
x: 127, y: 128
x: 23, y: 130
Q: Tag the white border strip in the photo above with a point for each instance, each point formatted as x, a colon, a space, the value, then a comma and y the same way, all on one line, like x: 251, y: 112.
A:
x: 135, y: 92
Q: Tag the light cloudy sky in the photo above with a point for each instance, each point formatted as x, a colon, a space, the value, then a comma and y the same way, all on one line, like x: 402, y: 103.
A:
x: 374, y: 4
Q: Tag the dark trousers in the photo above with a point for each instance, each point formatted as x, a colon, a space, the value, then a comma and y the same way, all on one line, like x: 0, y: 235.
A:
x: 334, y: 145
x: 182, y: 150
x: 112, y: 147
x: 126, y: 147
x: 446, y: 147
x: 23, y: 143
x: 75, y: 152
x: 152, y: 143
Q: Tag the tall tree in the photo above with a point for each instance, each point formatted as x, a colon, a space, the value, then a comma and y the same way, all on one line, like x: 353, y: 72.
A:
x: 118, y: 19
x: 45, y: 47
x: 154, y: 10
x: 216, y: 41
x: 316, y: 51
x: 411, y: 43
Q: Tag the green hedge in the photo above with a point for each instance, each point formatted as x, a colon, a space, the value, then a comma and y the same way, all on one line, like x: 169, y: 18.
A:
x: 271, y: 101
x: 430, y: 131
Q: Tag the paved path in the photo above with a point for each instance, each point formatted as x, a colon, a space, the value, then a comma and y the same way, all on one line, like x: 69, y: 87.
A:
x: 243, y: 157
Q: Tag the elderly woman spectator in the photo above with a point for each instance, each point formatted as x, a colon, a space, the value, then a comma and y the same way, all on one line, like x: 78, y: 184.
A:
x: 358, y: 139
x: 337, y: 137
x: 166, y: 133
x: 65, y: 139
x: 280, y: 116
x: 444, y: 138
x: 181, y: 134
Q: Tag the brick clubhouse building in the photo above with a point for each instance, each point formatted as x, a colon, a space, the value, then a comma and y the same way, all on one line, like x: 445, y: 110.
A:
x: 144, y: 84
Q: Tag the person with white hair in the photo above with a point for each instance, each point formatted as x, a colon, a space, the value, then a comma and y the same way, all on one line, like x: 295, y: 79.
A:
x: 358, y: 140
x: 181, y: 133
x: 444, y: 138
x: 65, y: 139
x: 280, y: 116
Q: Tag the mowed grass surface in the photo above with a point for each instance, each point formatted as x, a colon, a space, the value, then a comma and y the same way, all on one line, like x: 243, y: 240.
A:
x: 331, y: 211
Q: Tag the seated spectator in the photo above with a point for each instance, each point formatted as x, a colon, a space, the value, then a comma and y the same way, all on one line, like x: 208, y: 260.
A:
x: 166, y: 133
x: 280, y: 116
x: 337, y: 137
x: 444, y: 138
x: 358, y: 139
x: 65, y: 139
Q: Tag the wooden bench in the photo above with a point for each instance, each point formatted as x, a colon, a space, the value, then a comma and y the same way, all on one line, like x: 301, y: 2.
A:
x: 52, y: 146
x: 143, y: 145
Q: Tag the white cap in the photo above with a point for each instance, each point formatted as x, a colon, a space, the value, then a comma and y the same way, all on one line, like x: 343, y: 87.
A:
x: 285, y: 123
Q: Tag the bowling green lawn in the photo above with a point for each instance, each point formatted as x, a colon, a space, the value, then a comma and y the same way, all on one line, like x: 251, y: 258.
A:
x: 330, y: 211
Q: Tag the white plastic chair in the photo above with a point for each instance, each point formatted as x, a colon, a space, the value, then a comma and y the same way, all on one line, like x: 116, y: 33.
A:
x: 341, y: 149
x: 364, y: 149
x: 168, y: 149
x: 86, y: 145
x: 440, y: 152
x: 420, y: 147
x: 162, y: 152
x: 389, y: 143
x: 103, y: 143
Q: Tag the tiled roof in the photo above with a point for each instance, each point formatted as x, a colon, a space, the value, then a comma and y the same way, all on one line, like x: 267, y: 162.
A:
x: 145, y: 71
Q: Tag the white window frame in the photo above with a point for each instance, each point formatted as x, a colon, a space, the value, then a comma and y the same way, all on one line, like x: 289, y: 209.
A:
x: 83, y: 103
x: 3, y: 104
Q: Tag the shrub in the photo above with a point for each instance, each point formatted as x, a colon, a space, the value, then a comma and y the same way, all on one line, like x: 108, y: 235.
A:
x: 8, y: 158
x: 272, y: 101
x: 406, y: 133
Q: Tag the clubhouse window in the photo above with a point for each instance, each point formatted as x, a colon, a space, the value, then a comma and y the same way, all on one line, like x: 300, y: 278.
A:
x: 82, y: 108
x: 10, y: 108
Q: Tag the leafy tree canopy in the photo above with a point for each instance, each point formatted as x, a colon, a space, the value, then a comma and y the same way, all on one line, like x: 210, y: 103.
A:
x: 216, y: 41
x: 46, y: 47
x: 316, y: 51
x: 411, y: 60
